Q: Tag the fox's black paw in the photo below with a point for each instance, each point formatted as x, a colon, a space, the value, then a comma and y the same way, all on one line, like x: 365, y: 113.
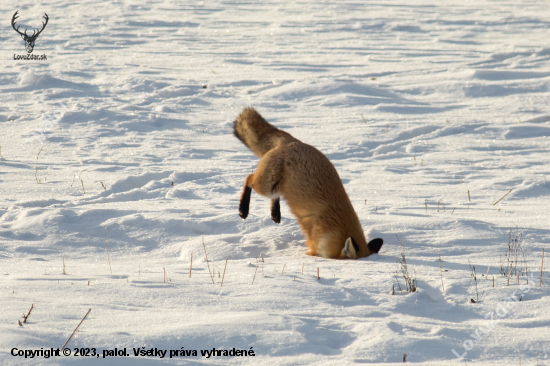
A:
x: 243, y: 214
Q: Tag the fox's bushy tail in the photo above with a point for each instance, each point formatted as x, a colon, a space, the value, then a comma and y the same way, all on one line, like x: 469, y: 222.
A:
x: 256, y: 133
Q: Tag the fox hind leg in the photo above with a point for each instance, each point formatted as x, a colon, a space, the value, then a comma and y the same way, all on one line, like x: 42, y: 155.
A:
x: 266, y: 182
x: 276, y: 210
x: 244, y: 203
x: 268, y: 175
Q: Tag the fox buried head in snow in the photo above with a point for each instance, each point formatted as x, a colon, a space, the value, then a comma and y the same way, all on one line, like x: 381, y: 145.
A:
x: 310, y: 185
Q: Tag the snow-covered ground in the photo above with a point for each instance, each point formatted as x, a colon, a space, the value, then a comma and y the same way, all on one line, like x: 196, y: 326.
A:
x: 431, y: 111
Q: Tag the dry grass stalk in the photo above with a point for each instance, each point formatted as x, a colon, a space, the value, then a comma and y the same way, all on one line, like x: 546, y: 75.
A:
x: 36, y: 166
x: 75, y: 329
x: 108, y: 257
x: 224, y: 268
x: 494, y: 204
x: 410, y: 281
x: 191, y: 265
x: 82, y: 182
x: 441, y: 272
x: 398, y: 285
x: 318, y: 278
x: 29, y: 313
x: 255, y: 273
x: 208, y: 264
x: 513, y: 253
x: 474, y: 278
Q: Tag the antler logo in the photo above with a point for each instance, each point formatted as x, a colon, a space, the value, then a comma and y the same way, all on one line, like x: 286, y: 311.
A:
x: 29, y: 40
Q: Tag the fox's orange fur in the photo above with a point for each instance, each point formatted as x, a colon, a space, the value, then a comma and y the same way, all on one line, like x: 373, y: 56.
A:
x: 310, y: 185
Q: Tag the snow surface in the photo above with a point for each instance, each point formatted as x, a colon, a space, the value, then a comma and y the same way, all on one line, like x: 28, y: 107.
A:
x: 419, y: 105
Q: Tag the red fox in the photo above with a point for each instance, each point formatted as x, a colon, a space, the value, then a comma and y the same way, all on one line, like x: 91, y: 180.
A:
x: 310, y: 185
